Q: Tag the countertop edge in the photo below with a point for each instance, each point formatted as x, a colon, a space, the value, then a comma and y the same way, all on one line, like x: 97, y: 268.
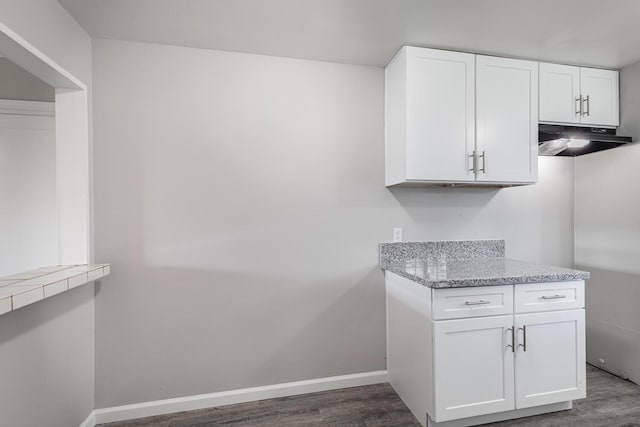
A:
x: 493, y: 281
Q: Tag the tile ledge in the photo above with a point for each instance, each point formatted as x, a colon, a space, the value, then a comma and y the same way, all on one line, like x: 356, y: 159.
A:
x: 22, y: 289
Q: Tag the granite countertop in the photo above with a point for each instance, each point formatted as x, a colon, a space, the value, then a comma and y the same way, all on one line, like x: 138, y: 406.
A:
x: 466, y: 263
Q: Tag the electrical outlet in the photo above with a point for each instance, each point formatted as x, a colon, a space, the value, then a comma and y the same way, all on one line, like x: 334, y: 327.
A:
x: 397, y: 234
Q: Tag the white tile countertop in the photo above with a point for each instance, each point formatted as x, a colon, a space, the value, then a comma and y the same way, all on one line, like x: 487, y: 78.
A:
x: 19, y: 290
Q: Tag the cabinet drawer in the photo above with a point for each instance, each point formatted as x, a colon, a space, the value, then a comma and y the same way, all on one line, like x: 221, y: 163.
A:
x: 472, y: 302
x: 549, y: 296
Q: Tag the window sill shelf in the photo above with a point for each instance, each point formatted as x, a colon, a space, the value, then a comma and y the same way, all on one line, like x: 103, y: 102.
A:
x: 22, y: 289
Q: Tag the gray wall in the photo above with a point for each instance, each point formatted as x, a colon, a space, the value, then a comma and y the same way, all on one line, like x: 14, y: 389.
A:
x: 47, y: 349
x: 607, y: 239
x: 16, y: 83
x: 27, y: 193
x: 241, y: 200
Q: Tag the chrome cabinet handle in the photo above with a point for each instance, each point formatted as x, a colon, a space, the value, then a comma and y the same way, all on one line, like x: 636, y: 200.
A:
x: 587, y: 110
x: 484, y: 162
x: 513, y: 340
x: 479, y: 302
x: 553, y: 296
x: 473, y: 162
x: 524, y: 338
x: 579, y: 106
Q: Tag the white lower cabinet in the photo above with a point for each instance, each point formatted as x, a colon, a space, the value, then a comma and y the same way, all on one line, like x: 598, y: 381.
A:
x: 482, y: 368
x: 550, y: 359
x: 473, y: 367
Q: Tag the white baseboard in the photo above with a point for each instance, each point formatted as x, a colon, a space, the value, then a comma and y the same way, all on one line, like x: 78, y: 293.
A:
x: 210, y: 400
x: 90, y: 421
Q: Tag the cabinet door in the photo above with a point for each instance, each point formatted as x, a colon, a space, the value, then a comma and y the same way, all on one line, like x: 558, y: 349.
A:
x: 602, y: 106
x: 440, y: 115
x: 507, y: 120
x: 559, y: 93
x: 473, y: 367
x: 552, y: 366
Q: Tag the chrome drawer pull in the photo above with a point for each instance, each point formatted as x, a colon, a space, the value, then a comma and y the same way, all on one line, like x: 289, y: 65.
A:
x: 554, y: 297
x: 524, y: 337
x: 588, y: 110
x: 480, y: 302
x: 579, y: 105
x: 513, y: 341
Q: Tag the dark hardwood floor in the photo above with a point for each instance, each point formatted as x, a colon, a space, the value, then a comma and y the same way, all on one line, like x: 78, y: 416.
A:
x: 611, y: 402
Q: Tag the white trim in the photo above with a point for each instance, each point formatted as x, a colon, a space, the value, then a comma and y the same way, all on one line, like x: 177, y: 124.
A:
x: 44, y: 66
x: 72, y: 176
x: 504, y: 416
x: 210, y: 400
x: 90, y: 421
x: 27, y: 108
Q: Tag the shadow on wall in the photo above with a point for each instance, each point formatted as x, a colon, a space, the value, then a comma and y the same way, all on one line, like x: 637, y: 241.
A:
x: 536, y: 220
x: 27, y: 319
x: 347, y: 312
x: 445, y: 213
x: 424, y: 202
x: 613, y: 321
x: 47, y: 358
x: 234, y: 329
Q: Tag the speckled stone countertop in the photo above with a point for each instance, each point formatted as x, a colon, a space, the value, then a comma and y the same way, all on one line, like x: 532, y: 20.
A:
x: 454, y: 264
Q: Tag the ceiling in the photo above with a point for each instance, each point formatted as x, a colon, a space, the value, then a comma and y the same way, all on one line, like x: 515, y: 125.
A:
x: 582, y: 32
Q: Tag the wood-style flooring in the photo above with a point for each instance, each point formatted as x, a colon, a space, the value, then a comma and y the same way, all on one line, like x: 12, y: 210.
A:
x: 611, y: 402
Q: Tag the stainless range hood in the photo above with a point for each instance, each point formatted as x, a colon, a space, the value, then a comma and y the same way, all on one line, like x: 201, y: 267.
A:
x: 559, y: 140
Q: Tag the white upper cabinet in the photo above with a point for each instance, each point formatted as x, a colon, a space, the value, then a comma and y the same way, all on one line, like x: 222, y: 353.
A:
x: 506, y: 120
x: 430, y: 118
x: 601, y: 97
x: 444, y: 109
x: 559, y: 93
x: 579, y: 96
x: 440, y: 116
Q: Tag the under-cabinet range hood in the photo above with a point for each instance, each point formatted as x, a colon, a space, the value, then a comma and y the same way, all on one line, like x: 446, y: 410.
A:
x: 558, y: 140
